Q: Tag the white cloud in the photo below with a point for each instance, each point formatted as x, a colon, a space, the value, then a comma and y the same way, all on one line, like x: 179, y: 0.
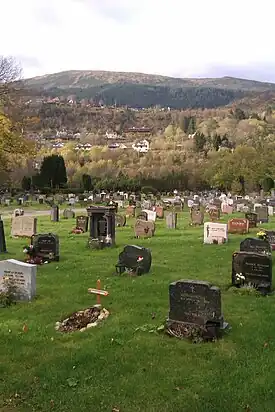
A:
x: 172, y: 37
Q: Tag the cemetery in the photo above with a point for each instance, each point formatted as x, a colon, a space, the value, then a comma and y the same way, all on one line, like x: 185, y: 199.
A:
x: 141, y: 308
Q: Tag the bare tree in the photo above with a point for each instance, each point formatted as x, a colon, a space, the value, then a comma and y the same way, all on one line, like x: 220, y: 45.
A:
x: 10, y: 69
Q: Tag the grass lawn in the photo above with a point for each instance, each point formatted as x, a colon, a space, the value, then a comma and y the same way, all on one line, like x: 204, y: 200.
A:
x: 114, y: 366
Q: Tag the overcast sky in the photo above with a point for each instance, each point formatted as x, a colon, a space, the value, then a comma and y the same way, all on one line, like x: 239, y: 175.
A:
x: 181, y: 38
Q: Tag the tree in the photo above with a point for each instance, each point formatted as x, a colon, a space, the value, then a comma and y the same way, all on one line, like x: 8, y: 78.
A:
x: 26, y: 183
x: 53, y: 172
x: 87, y: 182
x: 199, y: 142
x: 267, y: 183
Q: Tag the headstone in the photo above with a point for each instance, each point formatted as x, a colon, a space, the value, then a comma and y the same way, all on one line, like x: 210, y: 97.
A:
x: 20, y: 275
x: 120, y: 220
x: 18, y: 212
x: 214, y: 213
x: 68, y: 214
x: 134, y: 259
x: 171, y: 220
x: 255, y: 245
x: 262, y: 213
x: 195, y: 308
x: 252, y: 218
x: 227, y: 209
x: 271, y: 238
x: 240, y: 226
x: 197, y: 217
x: 3, y: 248
x: 215, y: 233
x: 144, y: 228
x: 160, y: 212
x: 102, y: 226
x: 55, y: 213
x: 46, y: 246
x: 252, y: 269
x: 130, y: 211
x: 23, y: 226
x: 270, y: 210
x: 151, y: 215
x: 82, y: 223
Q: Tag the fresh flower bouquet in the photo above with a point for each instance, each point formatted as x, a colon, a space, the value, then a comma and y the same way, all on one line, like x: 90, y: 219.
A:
x: 262, y: 235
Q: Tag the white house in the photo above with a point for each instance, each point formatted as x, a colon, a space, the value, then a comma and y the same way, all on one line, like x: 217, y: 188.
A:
x: 141, y: 147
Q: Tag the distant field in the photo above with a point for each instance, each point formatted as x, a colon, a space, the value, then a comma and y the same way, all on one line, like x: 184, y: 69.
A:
x: 114, y: 367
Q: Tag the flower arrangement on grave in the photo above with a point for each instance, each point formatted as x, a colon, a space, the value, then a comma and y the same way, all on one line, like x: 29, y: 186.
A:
x: 32, y: 257
x: 240, y: 278
x: 77, y: 230
x: 262, y: 235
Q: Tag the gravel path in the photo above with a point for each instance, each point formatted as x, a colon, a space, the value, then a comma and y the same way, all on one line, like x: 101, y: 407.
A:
x: 8, y: 214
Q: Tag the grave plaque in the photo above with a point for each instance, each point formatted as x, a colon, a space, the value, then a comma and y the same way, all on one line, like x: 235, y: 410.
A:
x: 240, y: 226
x: 68, y: 214
x: 262, y: 212
x: 20, y: 275
x: 255, y: 245
x: 23, y: 226
x: 197, y: 217
x: 252, y: 269
x: 252, y: 218
x: 120, y: 220
x: 171, y: 220
x: 46, y: 246
x: 144, y: 228
x: 215, y: 233
x: 195, y: 305
x: 227, y: 209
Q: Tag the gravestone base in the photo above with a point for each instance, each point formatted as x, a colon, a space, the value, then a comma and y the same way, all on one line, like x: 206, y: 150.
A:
x: 211, y: 331
x: 97, y: 244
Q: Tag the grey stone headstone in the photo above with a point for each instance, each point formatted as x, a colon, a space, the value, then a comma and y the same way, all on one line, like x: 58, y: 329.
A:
x: 55, y: 213
x: 21, y: 275
x: 171, y: 220
x: 262, y: 213
x: 68, y: 214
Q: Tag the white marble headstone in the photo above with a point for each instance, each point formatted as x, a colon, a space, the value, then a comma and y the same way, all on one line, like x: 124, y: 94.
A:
x: 215, y: 233
x: 270, y: 211
x: 150, y: 214
x: 22, y: 275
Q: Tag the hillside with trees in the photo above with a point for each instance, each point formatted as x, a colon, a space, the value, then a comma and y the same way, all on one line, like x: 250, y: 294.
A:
x: 145, y: 90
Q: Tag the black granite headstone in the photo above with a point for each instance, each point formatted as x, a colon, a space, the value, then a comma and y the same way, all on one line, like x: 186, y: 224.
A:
x: 252, y: 218
x: 252, y: 269
x: 195, y: 305
x: 134, y: 259
x: 271, y: 238
x: 82, y: 222
x: 46, y: 246
x: 255, y: 245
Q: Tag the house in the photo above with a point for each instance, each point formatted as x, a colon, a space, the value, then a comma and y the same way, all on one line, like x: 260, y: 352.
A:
x: 141, y: 147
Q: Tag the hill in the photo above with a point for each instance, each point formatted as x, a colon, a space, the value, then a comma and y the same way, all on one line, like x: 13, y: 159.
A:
x: 147, y: 90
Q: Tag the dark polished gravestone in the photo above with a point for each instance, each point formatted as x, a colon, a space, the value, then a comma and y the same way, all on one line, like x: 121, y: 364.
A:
x: 135, y: 260
x: 195, y: 311
x: 82, y: 223
x: 3, y: 248
x: 255, y: 245
x: 102, y: 226
x: 262, y: 214
x: 46, y: 246
x: 252, y: 269
x: 55, y: 213
x: 120, y: 220
x: 271, y: 238
x: 252, y: 219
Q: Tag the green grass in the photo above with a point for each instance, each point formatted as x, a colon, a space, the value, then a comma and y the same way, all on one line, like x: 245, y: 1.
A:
x: 115, y: 366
